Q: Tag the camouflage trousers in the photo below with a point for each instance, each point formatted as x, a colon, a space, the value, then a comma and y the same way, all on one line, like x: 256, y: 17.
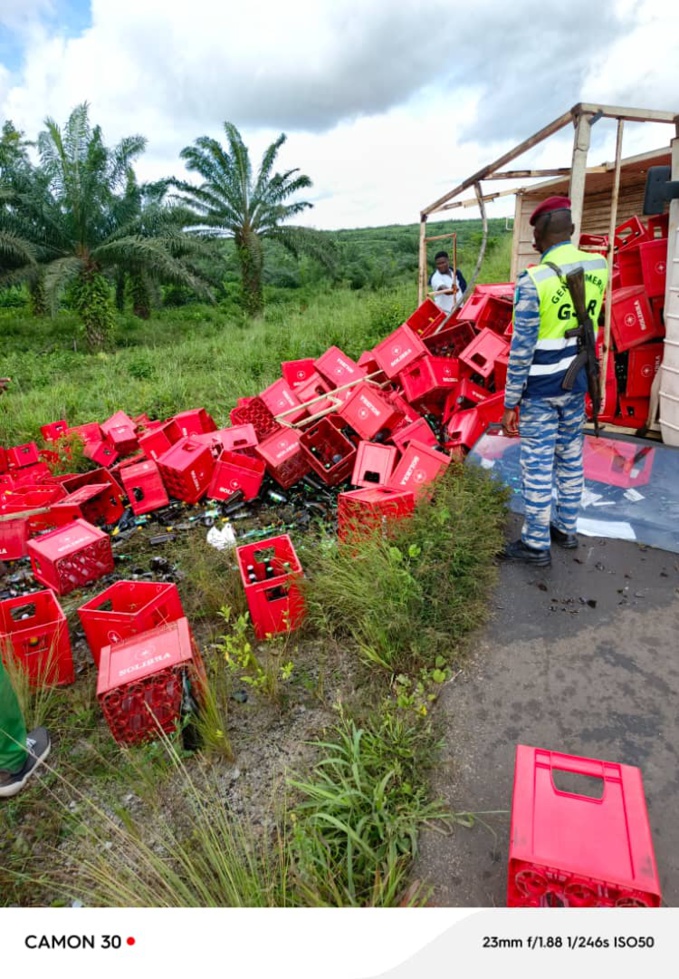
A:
x: 551, y: 465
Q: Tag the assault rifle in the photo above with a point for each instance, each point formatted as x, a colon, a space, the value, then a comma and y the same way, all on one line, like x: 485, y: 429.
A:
x: 586, y: 356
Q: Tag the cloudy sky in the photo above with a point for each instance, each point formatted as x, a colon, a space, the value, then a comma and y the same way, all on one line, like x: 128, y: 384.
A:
x: 387, y: 104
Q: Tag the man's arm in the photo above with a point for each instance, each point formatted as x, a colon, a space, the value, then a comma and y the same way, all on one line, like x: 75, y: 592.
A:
x: 524, y: 339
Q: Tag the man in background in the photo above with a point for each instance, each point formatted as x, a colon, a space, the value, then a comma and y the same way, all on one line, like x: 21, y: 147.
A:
x: 448, y: 290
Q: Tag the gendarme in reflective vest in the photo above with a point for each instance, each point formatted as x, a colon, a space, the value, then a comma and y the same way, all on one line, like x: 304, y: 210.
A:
x: 554, y: 352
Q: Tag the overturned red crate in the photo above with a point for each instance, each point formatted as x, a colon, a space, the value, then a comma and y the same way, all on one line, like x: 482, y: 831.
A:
x: 483, y: 351
x: 34, y: 631
x: 632, y: 320
x: 630, y: 233
x: 126, y: 609
x: 328, y: 451
x: 653, y: 257
x: 284, y: 458
x: 32, y: 497
x: 97, y: 502
x: 337, y: 368
x: 103, y: 452
x: 186, y: 469
x: 13, y: 536
x: 296, y: 372
x: 450, y: 341
x: 642, y: 365
x: 633, y: 412
x: 280, y: 399
x: 368, y: 411
x: 142, y: 680
x: 120, y: 430
x: 71, y: 556
x: 253, y: 411
x: 233, y: 472
x: 237, y: 439
x: 426, y: 318
x: 89, y: 432
x: 496, y: 315
x: 464, y: 395
x: 196, y: 421
x: 160, y: 439
x: 367, y: 510
x: 419, y: 466
x: 270, y: 570
x: 19, y: 456
x: 311, y: 392
x: 628, y: 264
x: 398, y: 351
x: 144, y: 487
x: 464, y: 429
x: 374, y: 464
x: 429, y: 377
x: 54, y: 431
x: 571, y: 848
x: 420, y: 430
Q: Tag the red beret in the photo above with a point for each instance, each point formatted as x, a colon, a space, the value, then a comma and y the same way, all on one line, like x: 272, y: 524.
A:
x: 551, y: 204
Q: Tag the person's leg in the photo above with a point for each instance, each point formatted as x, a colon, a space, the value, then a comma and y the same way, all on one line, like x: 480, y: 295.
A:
x: 12, y: 727
x: 568, y: 470
x: 537, y: 427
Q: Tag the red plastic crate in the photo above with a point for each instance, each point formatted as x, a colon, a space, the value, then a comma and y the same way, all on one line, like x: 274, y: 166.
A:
x: 97, y: 502
x: 33, y: 629
x: 236, y: 439
x: 144, y: 487
x: 483, y: 351
x: 314, y: 387
x: 196, y: 421
x: 653, y: 257
x: 464, y: 395
x: 120, y: 430
x: 632, y: 412
x: 628, y: 264
x: 419, y: 466
x: 371, y: 367
x: 368, y: 411
x: 500, y: 372
x: 281, y: 400
x: 374, y: 464
x: 364, y: 511
x: 426, y: 318
x: 284, y: 458
x: 54, y: 431
x: 126, y: 609
x: 398, y: 351
x: 617, y: 463
x: 141, y: 680
x: 419, y: 430
x: 629, y: 233
x: 270, y: 570
x: 658, y: 225
x: 632, y: 321
x: 19, y: 456
x: 464, y: 429
x: 594, y: 243
x: 235, y: 471
x: 296, y: 372
x: 496, y: 315
x: 642, y: 365
x: 429, y: 378
x: 253, y: 411
x: 405, y: 412
x: 328, y: 451
x: 71, y: 556
x: 451, y: 341
x: 474, y: 306
x: 186, y: 469
x: 159, y: 440
x: 102, y: 452
x: 3, y: 460
x: 13, y: 536
x: 569, y: 849
x: 89, y: 432
x: 32, y: 497
x: 337, y: 368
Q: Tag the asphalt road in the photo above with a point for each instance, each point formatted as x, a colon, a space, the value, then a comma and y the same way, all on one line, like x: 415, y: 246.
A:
x: 582, y: 658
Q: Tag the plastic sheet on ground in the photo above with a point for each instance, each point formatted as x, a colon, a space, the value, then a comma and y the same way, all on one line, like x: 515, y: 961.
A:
x: 631, y: 485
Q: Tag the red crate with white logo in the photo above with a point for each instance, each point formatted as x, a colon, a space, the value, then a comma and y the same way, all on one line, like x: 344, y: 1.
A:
x: 368, y: 411
x: 54, y: 431
x: 632, y: 320
x: 429, y: 378
x: 19, y: 456
x: 296, y: 372
x: 364, y: 511
x: 240, y: 438
x: 233, y: 472
x: 13, y: 536
x: 337, y: 368
x: 281, y: 400
x: 617, y: 463
x: 642, y: 365
x: 144, y: 487
x: 483, y: 351
x: 186, y: 469
x: 120, y: 430
x: 284, y: 458
x: 374, y: 464
x: 311, y: 392
x: 159, y: 440
x: 34, y: 632
x: 127, y: 608
x: 426, y: 318
x: 71, y: 556
x: 398, y: 351
x: 196, y: 421
x: 141, y: 681
x: 270, y: 571
x: 653, y: 256
x: 253, y: 411
x: 585, y: 844
x: 419, y: 466
x: 328, y: 451
x: 419, y: 430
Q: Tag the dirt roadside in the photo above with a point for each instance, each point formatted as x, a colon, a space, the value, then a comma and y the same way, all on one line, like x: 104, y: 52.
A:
x: 581, y: 658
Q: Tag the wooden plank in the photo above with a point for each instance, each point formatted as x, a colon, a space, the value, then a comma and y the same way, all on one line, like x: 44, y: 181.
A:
x: 613, y: 221
x: 576, y: 190
x: 625, y: 112
x: 556, y: 172
x: 422, y: 277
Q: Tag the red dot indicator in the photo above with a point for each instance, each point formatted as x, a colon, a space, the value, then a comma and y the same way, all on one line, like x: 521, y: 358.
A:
x: 130, y: 941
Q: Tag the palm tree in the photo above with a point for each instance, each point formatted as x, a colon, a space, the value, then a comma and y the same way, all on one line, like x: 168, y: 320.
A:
x: 232, y: 204
x: 82, y: 211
